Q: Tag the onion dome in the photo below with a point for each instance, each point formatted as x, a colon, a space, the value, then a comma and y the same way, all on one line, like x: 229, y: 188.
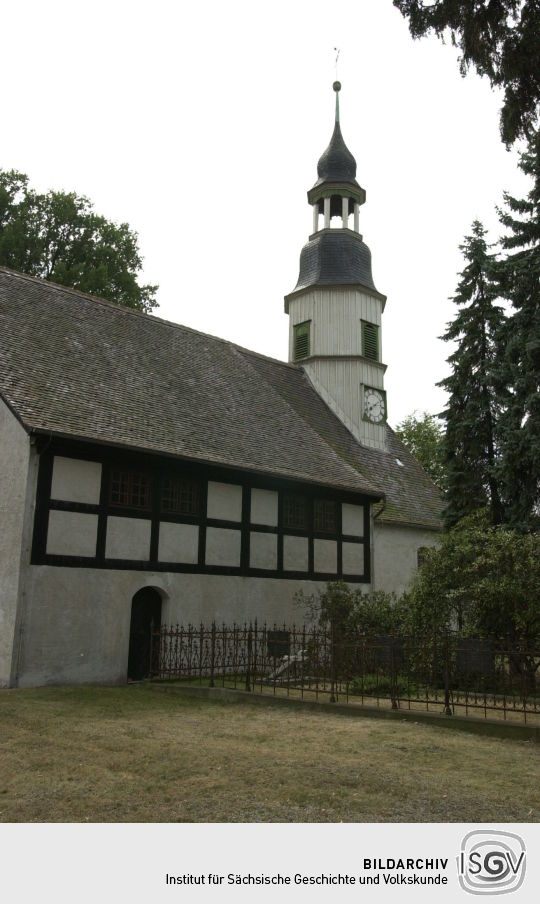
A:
x: 336, y: 170
x: 336, y: 256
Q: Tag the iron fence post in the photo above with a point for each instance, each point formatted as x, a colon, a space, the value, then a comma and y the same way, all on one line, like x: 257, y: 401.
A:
x: 151, y: 669
x: 333, y: 662
x: 248, y: 669
x: 212, y: 652
x: 447, y: 707
x: 393, y: 682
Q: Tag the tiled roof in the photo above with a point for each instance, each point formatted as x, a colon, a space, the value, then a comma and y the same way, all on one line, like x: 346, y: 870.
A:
x: 76, y: 366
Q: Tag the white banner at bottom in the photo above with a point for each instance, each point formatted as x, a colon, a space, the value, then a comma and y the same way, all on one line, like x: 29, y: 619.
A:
x: 217, y: 864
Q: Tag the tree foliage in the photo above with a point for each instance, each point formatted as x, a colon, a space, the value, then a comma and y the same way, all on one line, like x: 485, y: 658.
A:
x: 501, y: 39
x: 422, y: 434
x: 519, y: 279
x: 472, y: 413
x: 351, y: 611
x: 482, y: 580
x: 59, y: 237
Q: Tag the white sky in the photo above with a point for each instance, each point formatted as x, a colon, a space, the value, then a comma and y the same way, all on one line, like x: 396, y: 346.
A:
x: 200, y: 124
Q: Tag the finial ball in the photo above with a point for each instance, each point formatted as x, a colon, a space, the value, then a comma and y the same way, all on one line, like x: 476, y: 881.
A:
x: 337, y: 86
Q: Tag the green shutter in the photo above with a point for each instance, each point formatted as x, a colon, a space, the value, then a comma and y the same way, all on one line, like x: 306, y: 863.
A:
x: 370, y: 340
x: 301, y: 340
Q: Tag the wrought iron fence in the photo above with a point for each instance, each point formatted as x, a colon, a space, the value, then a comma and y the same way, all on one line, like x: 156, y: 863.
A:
x: 445, y: 672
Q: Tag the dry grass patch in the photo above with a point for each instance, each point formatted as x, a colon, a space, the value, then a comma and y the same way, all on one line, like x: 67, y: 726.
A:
x: 132, y: 755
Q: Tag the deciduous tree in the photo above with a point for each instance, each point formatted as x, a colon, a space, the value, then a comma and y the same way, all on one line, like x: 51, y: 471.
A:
x: 59, y: 237
x: 423, y: 436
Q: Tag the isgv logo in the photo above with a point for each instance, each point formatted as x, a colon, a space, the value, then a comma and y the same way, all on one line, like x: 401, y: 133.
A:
x: 491, y: 863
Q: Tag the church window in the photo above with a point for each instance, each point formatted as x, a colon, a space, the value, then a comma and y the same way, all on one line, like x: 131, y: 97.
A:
x: 130, y: 489
x: 324, y: 516
x: 370, y: 340
x: 421, y: 555
x: 302, y: 340
x: 180, y: 496
x: 295, y: 512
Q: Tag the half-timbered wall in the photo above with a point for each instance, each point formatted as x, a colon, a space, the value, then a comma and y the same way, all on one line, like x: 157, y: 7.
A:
x: 101, y: 510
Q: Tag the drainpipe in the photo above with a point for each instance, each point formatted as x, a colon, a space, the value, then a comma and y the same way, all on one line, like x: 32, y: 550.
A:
x: 374, y: 518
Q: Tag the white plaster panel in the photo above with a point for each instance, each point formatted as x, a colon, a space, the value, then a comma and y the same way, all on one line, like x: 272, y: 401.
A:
x: 72, y: 534
x: 353, y: 558
x: 264, y: 507
x: 224, y: 501
x: 295, y: 553
x: 127, y: 538
x: 263, y: 550
x: 352, y: 520
x: 325, y: 555
x: 223, y: 546
x: 74, y: 480
x: 178, y: 543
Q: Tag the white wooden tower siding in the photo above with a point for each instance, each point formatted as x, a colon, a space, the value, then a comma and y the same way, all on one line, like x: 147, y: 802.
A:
x: 335, y: 311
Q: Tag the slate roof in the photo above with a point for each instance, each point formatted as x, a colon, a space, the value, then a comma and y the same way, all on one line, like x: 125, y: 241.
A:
x: 337, y: 164
x: 79, y: 367
x: 335, y: 257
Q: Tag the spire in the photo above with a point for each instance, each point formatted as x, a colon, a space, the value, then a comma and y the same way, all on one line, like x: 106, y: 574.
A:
x: 336, y: 257
x: 336, y: 170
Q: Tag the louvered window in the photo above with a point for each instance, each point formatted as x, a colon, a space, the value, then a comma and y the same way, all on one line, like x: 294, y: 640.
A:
x: 295, y: 512
x: 301, y: 340
x: 370, y: 340
x: 130, y: 489
x: 324, y: 516
x: 180, y: 496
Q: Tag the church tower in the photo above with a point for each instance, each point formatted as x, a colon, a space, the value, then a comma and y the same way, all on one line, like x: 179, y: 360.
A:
x: 335, y: 311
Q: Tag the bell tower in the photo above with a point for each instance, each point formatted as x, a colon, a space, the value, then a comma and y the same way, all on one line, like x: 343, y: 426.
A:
x: 335, y: 311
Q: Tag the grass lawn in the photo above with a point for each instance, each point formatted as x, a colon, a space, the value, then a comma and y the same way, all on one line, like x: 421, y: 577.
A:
x: 132, y: 754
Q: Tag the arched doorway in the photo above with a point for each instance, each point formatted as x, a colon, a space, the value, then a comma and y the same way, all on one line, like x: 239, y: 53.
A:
x: 145, y: 609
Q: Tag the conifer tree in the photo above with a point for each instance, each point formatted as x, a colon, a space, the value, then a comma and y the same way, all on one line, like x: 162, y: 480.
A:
x: 519, y: 276
x: 470, y: 444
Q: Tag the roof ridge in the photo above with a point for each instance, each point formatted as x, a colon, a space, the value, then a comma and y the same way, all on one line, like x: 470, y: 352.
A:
x: 249, y: 351
x: 97, y: 299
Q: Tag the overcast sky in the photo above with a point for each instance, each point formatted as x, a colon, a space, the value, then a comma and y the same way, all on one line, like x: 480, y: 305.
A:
x: 201, y: 125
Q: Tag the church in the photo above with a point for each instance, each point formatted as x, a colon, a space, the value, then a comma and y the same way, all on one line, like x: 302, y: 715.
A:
x: 152, y: 472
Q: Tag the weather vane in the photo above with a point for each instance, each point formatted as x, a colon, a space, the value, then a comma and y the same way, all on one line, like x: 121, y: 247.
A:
x: 338, y: 51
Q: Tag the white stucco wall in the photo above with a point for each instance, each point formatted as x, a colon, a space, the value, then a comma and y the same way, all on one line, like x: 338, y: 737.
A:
x: 72, y: 534
x: 224, y: 501
x: 14, y: 470
x: 74, y: 480
x: 78, y: 619
x: 223, y: 546
x: 178, y: 542
x: 128, y: 538
x: 395, y: 550
x: 264, y: 507
x: 263, y: 550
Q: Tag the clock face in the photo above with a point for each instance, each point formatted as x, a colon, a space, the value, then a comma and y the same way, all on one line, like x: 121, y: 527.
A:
x: 374, y: 405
